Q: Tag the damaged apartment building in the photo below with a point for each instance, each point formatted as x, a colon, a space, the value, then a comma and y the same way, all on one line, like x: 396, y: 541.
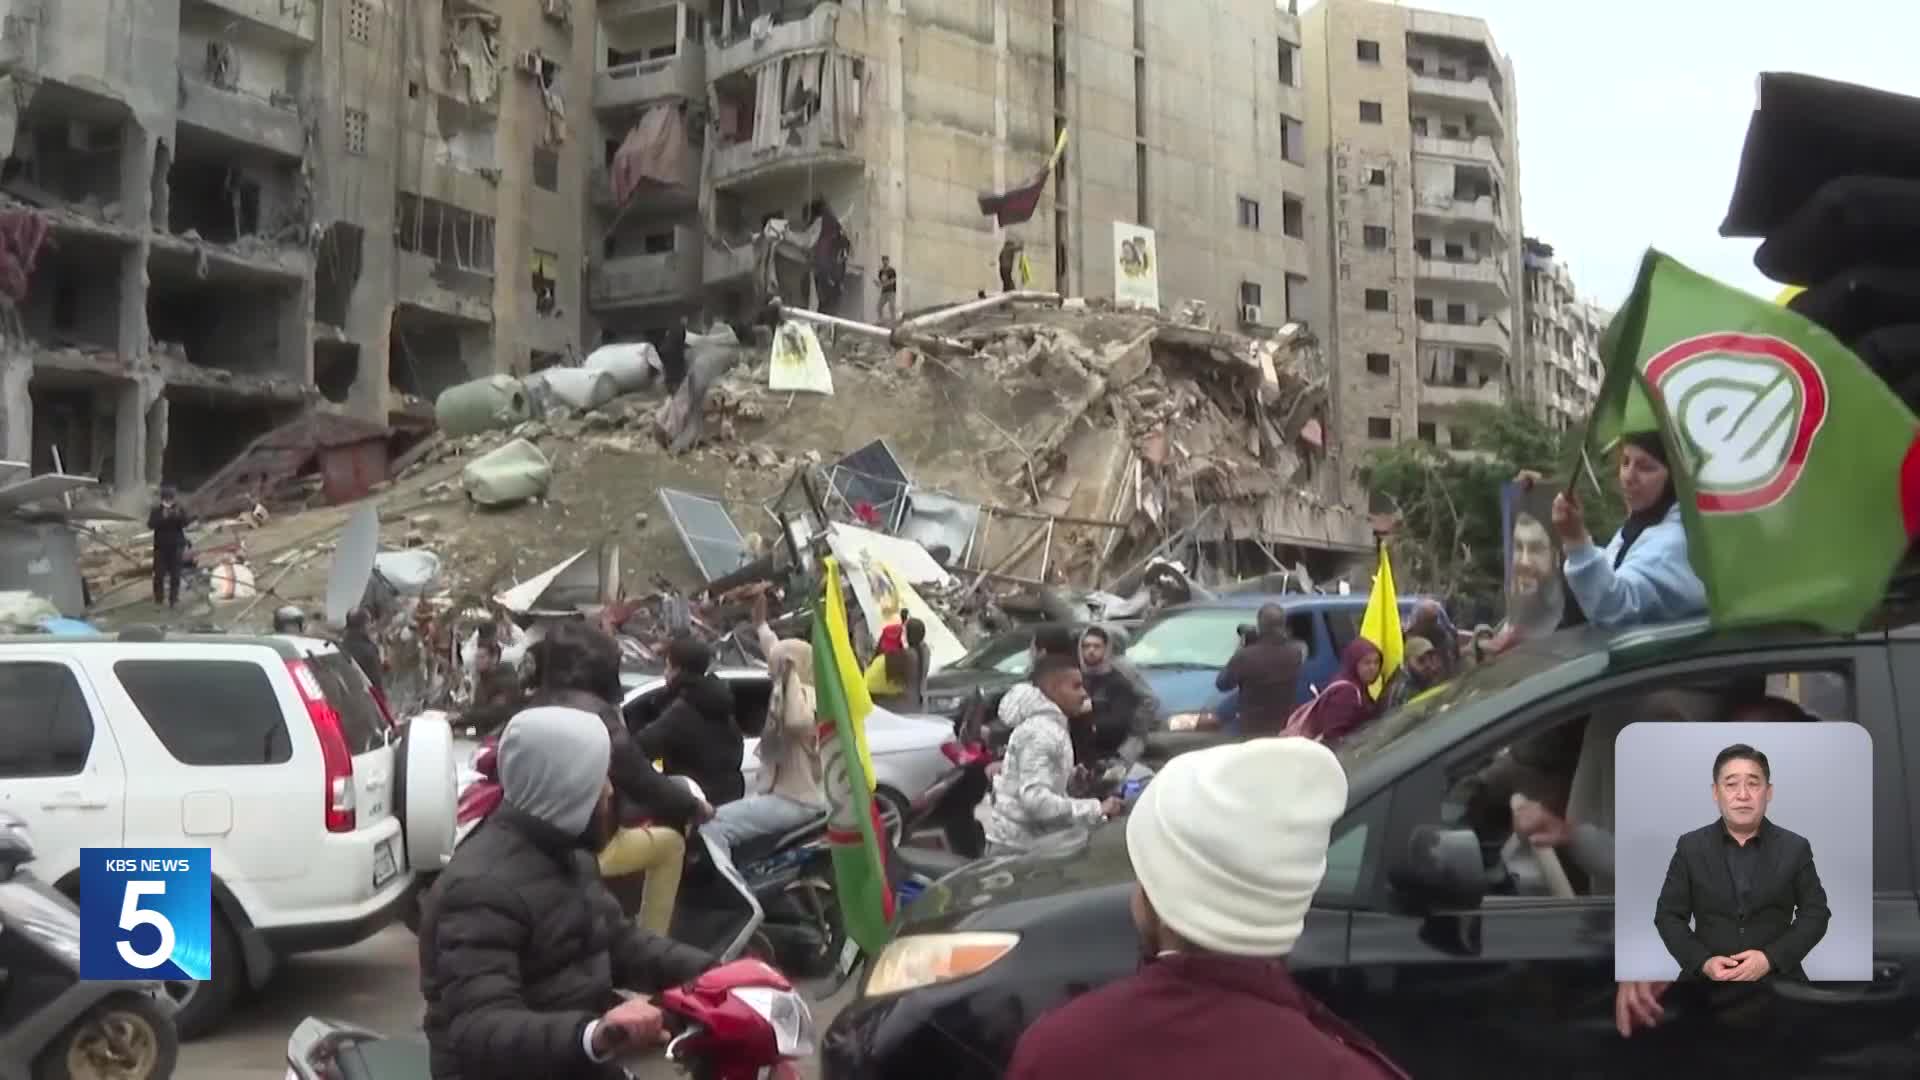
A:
x: 756, y: 147
x: 216, y: 215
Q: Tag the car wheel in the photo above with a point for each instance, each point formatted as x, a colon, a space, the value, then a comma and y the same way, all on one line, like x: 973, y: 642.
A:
x: 894, y: 808
x: 127, y: 1036
x: 203, y: 1005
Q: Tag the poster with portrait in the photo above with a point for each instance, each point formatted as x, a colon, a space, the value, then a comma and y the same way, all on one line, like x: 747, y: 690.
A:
x: 1535, y: 592
x: 1136, y: 266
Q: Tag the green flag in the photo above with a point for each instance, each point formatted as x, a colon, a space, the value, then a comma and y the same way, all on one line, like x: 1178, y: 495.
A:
x: 1794, y: 464
x: 841, y: 706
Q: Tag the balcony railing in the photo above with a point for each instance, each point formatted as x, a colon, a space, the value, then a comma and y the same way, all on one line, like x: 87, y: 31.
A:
x: 238, y: 115
x: 816, y: 31
x: 682, y: 75
x: 1486, y: 334
x: 1480, y: 211
x: 295, y: 22
x: 1489, y: 273
x: 649, y: 279
x: 1477, y: 93
x: 1481, y: 149
x: 1448, y: 396
x: 740, y: 162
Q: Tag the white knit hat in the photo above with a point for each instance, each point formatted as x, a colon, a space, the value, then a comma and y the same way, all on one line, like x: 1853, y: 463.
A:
x: 1230, y: 843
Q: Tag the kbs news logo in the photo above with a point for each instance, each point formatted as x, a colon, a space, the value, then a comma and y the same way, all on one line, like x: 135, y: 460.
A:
x: 146, y: 913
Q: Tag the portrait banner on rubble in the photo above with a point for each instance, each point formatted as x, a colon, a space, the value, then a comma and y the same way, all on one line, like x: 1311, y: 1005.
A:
x: 1534, y: 589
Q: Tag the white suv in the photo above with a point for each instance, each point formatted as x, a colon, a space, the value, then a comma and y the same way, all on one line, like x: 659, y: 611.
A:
x: 271, y: 751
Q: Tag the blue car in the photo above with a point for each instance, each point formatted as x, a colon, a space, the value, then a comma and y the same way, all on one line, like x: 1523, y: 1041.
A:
x: 1181, y: 652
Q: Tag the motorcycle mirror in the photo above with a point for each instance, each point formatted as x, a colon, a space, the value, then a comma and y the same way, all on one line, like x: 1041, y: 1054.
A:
x: 16, y: 845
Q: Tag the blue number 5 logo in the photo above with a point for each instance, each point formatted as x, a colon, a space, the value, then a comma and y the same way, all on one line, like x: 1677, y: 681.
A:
x: 133, y: 917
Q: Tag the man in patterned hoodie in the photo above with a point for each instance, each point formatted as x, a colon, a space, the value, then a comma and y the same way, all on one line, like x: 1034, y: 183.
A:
x: 1030, y: 794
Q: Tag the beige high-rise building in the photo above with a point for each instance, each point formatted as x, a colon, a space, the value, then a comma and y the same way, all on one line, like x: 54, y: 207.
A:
x: 1563, y: 341
x: 1412, y: 135
x: 894, y: 115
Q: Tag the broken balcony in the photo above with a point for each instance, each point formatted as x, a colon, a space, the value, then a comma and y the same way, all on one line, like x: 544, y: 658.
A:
x: 681, y: 74
x: 445, y: 258
x: 1486, y: 279
x: 668, y: 273
x: 651, y: 196
x: 241, y: 79
x: 813, y: 124
x: 291, y: 23
x: 69, y: 149
x: 737, y: 48
x: 208, y: 426
x: 76, y: 300
x: 225, y: 325
x: 1489, y: 334
x: 222, y: 191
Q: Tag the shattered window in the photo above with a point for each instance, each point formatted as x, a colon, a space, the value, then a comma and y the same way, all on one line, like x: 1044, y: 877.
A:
x: 546, y: 280
x: 1379, y: 427
x: 444, y: 233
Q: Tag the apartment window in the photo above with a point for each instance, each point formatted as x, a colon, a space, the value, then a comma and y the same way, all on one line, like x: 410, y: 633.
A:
x: 1369, y: 112
x: 1450, y: 131
x: 1459, y: 439
x: 657, y: 243
x: 360, y: 21
x: 356, y: 131
x: 1423, y: 309
x: 1250, y: 293
x: 1249, y: 213
x: 1379, y: 363
x: 1457, y: 314
x: 1376, y: 178
x: 1379, y: 427
x: 1417, y: 64
x: 546, y: 168
x: 1293, y: 140
x: 1426, y: 432
x: 1293, y: 217
x: 1374, y: 237
x: 1378, y: 300
x: 1368, y: 51
x: 546, y: 281
x: 1296, y: 298
x: 1423, y: 247
x: 1456, y: 252
x: 1419, y: 125
x: 1287, y: 75
x: 1446, y: 72
x: 444, y: 233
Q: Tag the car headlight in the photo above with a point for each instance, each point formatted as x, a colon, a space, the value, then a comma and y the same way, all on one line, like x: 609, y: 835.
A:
x: 922, y: 960
x: 1192, y: 721
x: 944, y: 703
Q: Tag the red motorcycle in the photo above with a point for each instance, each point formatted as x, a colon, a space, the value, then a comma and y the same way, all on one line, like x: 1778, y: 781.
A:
x: 740, y: 1021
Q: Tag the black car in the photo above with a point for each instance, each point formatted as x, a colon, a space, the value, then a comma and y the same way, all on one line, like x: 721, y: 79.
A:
x: 1502, y: 980
x: 994, y: 664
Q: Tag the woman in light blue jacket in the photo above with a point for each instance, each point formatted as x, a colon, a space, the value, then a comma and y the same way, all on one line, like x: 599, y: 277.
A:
x: 1642, y: 575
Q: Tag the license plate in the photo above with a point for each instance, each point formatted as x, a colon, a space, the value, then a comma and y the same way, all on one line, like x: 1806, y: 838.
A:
x: 849, y: 956
x: 385, y: 866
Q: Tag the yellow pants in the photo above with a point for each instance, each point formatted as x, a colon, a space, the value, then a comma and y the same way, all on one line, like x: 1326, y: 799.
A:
x: 658, y: 853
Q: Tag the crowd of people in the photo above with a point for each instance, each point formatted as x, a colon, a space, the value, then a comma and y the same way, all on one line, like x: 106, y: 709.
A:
x: 522, y: 946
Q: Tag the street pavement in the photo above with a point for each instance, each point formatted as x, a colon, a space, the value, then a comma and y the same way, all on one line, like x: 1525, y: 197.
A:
x: 374, y: 984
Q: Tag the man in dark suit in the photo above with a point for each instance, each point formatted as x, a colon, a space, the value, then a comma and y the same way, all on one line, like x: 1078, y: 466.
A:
x: 1747, y: 885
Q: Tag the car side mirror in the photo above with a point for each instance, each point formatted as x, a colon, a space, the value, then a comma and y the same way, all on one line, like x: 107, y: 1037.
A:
x: 16, y: 845
x: 1440, y: 870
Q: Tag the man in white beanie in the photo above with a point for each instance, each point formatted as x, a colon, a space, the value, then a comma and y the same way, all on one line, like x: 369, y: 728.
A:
x: 521, y: 946
x: 1228, y: 847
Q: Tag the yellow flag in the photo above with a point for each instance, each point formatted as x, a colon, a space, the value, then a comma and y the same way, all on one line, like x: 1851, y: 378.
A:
x: 1381, y: 624
x: 1787, y: 294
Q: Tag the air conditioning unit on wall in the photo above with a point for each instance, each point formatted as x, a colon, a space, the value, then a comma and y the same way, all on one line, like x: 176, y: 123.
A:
x: 530, y: 62
x: 1250, y: 315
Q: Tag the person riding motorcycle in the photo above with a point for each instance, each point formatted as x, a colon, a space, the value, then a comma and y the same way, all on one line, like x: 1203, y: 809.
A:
x: 579, y: 666
x: 696, y: 735
x: 289, y: 620
x: 522, y: 949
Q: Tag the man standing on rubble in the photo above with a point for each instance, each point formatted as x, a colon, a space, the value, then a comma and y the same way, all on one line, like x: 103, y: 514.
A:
x: 1266, y: 671
x: 889, y: 281
x: 1009, y: 257
x: 169, y: 522
x: 673, y: 354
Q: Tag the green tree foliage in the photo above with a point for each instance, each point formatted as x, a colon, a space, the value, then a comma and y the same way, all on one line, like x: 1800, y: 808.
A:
x: 1448, y: 539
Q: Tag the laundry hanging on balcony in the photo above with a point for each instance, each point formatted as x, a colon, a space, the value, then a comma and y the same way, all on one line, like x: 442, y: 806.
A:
x: 806, y: 99
x: 1016, y: 205
x: 655, y: 150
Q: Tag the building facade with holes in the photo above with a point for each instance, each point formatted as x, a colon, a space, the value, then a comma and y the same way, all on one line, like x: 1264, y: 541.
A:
x: 894, y: 117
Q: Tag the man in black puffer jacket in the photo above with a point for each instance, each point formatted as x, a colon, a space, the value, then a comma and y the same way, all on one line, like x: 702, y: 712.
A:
x: 696, y: 736
x: 521, y: 947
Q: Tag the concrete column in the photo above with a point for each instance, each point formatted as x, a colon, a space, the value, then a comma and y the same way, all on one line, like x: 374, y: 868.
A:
x: 16, y: 404
x: 133, y: 305
x: 129, y: 442
x: 156, y: 437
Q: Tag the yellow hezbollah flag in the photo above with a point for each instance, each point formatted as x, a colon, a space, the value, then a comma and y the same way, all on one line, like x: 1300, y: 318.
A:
x: 1381, y: 624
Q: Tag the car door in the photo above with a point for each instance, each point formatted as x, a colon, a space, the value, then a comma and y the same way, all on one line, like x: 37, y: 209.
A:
x: 60, y: 767
x: 1533, y: 975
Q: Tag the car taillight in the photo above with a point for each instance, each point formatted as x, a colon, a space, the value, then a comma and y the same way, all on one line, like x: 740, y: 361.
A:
x: 334, y: 755
x: 951, y: 750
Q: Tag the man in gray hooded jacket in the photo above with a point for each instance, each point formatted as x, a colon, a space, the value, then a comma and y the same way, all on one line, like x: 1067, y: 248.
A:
x: 521, y: 946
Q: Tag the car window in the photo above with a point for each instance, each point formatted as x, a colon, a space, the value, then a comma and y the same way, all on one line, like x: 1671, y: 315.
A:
x: 1343, y: 626
x: 1565, y: 762
x: 1346, y: 858
x: 1205, y: 639
x: 346, y: 689
x: 1300, y: 628
x: 46, y: 728
x: 209, y: 712
x: 1006, y: 654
